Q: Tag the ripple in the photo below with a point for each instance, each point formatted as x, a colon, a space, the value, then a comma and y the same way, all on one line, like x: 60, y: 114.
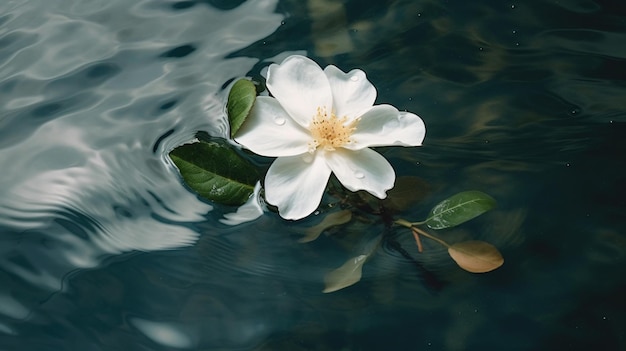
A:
x: 96, y: 93
x: 163, y: 333
x: 89, y: 114
x: 11, y: 43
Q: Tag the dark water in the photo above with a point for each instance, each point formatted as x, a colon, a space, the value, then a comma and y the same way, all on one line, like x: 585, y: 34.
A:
x: 103, y: 248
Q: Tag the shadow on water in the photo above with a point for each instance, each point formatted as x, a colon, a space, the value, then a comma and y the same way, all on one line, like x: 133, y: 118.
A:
x: 103, y: 247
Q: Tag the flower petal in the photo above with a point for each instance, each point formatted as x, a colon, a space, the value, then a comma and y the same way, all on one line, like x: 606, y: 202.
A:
x: 363, y: 169
x: 296, y: 184
x: 269, y: 131
x: 353, y: 94
x: 300, y: 86
x: 384, y: 125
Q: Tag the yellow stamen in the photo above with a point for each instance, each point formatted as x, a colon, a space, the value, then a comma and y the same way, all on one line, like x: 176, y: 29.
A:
x: 330, y: 131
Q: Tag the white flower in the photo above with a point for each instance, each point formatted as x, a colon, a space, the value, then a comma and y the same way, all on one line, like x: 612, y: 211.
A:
x: 318, y: 122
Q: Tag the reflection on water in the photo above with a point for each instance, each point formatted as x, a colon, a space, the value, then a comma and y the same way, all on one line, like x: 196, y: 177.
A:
x: 94, y: 96
x: 103, y: 248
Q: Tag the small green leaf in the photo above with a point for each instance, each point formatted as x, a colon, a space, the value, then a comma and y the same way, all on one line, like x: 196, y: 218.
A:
x: 240, y: 101
x: 346, y: 275
x: 216, y: 172
x: 459, y: 208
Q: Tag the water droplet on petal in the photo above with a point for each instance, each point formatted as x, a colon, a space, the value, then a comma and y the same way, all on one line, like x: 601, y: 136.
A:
x: 279, y: 120
x: 359, y: 175
x: 354, y: 78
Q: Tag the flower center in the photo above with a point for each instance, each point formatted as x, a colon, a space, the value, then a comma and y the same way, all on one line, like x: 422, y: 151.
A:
x: 330, y: 131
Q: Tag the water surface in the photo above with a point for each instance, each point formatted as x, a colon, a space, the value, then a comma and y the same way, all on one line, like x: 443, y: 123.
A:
x: 104, y: 248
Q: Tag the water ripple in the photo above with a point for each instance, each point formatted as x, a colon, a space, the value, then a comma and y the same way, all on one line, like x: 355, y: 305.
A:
x: 95, y: 93
x: 94, y: 96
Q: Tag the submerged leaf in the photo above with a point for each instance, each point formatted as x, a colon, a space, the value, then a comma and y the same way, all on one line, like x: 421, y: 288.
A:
x: 240, y: 101
x: 459, y: 208
x: 216, y: 172
x: 346, y: 275
x: 331, y: 220
x: 476, y: 256
x: 406, y: 191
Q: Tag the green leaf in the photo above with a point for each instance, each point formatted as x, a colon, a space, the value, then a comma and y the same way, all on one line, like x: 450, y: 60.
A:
x: 216, y: 172
x: 346, y: 275
x: 459, y: 208
x: 240, y: 101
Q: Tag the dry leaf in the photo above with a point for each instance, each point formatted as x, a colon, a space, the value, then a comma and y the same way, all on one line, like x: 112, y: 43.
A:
x: 331, y: 220
x: 476, y: 256
x: 346, y: 275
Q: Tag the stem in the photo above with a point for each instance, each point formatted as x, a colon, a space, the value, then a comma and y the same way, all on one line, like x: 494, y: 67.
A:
x: 404, y: 223
x: 417, y: 231
x: 420, y: 248
x: 429, y: 236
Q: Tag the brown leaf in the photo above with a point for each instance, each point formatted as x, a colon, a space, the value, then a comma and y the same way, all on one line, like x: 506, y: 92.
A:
x: 476, y: 256
x: 346, y: 275
x: 331, y: 220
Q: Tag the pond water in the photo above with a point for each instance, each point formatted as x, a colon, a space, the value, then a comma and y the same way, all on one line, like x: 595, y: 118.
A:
x: 102, y: 247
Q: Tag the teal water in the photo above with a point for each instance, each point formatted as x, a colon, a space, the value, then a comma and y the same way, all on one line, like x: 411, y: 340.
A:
x: 102, y: 247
